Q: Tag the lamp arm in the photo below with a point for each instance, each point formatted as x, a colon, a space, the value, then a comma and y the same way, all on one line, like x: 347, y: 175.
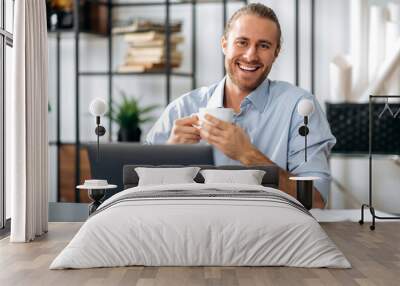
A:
x: 305, y: 147
x: 98, y: 145
x: 100, y: 131
x: 303, y: 131
x: 98, y: 137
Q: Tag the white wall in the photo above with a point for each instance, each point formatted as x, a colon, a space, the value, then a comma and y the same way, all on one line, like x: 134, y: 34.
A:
x: 332, y: 38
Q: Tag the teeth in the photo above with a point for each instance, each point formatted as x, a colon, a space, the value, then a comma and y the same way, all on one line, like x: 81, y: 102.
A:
x: 247, y: 68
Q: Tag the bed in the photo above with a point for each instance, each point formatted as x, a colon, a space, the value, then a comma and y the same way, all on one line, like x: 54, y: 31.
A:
x: 201, y: 224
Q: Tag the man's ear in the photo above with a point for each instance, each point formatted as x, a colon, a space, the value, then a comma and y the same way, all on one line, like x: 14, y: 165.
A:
x: 224, y: 44
x: 277, y: 51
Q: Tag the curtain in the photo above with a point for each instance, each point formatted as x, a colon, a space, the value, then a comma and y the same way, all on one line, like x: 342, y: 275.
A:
x: 27, y: 148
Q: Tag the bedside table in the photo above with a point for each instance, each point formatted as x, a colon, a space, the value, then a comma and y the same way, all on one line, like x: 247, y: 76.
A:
x: 96, y: 194
x: 304, y: 190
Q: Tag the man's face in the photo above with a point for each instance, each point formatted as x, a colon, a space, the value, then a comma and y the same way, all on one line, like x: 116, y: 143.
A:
x: 250, y: 49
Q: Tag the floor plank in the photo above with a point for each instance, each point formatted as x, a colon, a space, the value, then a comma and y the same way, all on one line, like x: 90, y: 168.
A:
x: 374, y: 255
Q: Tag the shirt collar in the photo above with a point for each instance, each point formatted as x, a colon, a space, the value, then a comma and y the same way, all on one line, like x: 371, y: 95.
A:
x: 217, y: 97
x: 257, y: 97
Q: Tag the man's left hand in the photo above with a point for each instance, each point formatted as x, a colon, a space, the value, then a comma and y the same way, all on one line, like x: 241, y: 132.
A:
x: 229, y: 138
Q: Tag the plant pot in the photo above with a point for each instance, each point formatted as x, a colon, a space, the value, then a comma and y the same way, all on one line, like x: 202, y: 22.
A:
x: 129, y: 135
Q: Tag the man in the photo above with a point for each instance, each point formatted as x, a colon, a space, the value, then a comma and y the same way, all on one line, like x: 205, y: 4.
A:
x: 266, y: 122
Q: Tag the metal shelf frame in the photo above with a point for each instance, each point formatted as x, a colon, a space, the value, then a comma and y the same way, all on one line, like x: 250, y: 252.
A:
x: 297, y: 43
x: 160, y: 3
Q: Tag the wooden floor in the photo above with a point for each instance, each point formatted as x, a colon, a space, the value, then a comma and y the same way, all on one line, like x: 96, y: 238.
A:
x: 374, y: 255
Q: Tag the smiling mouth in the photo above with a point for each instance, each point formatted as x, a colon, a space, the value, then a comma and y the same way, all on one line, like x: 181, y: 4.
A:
x: 248, y: 68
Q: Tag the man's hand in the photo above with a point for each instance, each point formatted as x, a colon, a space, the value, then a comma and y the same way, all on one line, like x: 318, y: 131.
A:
x: 318, y: 200
x: 184, y: 131
x: 227, y: 137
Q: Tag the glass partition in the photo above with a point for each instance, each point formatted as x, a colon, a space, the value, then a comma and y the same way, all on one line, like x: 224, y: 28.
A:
x: 6, y: 29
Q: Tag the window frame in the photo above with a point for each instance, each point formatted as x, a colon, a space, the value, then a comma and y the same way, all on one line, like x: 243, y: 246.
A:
x: 6, y: 39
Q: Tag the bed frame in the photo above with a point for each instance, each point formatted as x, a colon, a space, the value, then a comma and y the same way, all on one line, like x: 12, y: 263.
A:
x: 270, y: 179
x: 118, y: 160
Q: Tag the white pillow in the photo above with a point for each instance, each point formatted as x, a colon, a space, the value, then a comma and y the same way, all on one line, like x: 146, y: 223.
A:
x: 249, y: 177
x: 164, y: 176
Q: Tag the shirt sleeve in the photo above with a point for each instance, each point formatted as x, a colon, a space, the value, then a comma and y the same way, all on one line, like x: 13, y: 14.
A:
x: 319, y: 144
x: 161, y: 130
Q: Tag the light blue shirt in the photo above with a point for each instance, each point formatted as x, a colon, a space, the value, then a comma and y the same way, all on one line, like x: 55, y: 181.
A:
x: 269, y: 117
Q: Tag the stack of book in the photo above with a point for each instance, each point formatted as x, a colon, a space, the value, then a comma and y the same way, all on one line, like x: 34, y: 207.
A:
x: 147, y: 46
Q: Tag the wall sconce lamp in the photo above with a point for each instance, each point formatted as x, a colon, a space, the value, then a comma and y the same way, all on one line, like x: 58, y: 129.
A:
x: 304, y: 185
x: 98, y: 107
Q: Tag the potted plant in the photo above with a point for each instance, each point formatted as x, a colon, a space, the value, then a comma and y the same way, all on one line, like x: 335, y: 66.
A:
x: 129, y: 115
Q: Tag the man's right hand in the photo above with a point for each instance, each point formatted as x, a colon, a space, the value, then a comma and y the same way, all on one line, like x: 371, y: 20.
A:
x: 184, y: 131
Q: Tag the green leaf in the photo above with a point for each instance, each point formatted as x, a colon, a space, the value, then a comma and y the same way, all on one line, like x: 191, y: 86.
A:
x: 128, y: 114
x: 149, y: 108
x: 148, y: 119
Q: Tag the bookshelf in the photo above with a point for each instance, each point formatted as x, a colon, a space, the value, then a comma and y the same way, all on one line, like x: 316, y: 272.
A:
x: 110, y: 73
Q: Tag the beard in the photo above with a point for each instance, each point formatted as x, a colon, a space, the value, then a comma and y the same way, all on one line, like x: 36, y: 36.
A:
x: 247, y: 82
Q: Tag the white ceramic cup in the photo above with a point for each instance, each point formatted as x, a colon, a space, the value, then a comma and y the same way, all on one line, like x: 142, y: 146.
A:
x: 224, y: 114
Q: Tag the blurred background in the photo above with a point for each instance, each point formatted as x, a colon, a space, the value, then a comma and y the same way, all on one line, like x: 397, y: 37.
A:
x: 339, y: 50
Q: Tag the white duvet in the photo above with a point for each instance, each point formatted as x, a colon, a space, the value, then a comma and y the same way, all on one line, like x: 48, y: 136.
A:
x: 200, y: 231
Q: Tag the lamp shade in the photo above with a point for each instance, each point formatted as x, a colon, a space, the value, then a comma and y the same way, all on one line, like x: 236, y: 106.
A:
x: 98, y: 107
x: 305, y: 107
